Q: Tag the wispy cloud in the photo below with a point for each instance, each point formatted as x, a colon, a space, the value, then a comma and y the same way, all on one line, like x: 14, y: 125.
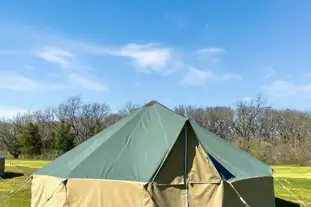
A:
x: 147, y: 57
x: 286, y: 88
x: 144, y: 57
x: 181, y: 22
x: 230, y: 76
x: 211, y: 50
x: 10, y: 112
x: 177, y: 19
x: 197, y: 77
x: 17, y: 82
x: 74, y: 57
x: 269, y: 72
x: 29, y: 67
x: 247, y: 98
x: 210, y: 54
x: 14, y: 52
x: 79, y: 75
x: 86, y: 82
x: 56, y: 55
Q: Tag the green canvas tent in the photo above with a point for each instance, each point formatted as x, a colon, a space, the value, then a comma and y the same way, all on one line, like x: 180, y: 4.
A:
x: 154, y: 158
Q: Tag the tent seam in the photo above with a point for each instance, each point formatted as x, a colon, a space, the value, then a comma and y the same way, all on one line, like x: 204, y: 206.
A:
x: 224, y: 159
x: 206, y: 155
x: 96, y: 147
x: 97, y: 179
x: 262, y: 164
x: 166, y: 154
x: 159, y: 119
x: 127, y: 142
x: 252, y: 177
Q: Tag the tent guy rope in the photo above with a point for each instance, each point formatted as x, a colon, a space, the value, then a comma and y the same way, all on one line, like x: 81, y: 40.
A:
x: 13, y: 192
x: 242, y: 199
x: 304, y: 196
x: 49, y: 198
x: 290, y: 192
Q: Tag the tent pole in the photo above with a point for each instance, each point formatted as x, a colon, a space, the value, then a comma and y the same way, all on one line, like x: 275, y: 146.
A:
x: 186, y: 167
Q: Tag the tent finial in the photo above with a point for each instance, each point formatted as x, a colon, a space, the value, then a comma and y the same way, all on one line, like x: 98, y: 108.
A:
x: 151, y: 103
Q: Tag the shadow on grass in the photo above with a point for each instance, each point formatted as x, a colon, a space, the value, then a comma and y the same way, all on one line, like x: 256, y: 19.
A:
x: 279, y: 202
x: 10, y: 175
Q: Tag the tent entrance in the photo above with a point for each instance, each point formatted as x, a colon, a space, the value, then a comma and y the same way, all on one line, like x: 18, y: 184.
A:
x: 185, y: 169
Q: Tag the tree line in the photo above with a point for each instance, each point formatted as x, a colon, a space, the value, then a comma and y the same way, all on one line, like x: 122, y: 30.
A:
x: 276, y: 136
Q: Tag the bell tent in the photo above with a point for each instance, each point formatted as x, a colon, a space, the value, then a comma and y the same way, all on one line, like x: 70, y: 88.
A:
x: 154, y: 158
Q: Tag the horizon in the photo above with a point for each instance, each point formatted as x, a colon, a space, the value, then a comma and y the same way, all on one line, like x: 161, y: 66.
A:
x: 116, y: 109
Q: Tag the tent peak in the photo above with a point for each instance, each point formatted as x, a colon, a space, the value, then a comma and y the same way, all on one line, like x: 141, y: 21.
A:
x: 152, y: 103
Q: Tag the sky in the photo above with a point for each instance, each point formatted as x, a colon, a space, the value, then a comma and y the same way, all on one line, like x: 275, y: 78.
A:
x: 202, y: 53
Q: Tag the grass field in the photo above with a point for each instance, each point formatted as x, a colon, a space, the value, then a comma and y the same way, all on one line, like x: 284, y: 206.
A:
x: 296, y: 179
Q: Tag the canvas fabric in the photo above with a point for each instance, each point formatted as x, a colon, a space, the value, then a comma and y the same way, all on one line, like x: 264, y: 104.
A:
x: 257, y: 192
x: 199, y: 168
x: 2, y: 165
x: 239, y: 163
x: 167, y: 189
x: 136, y: 145
x: 141, y: 161
x: 47, y: 191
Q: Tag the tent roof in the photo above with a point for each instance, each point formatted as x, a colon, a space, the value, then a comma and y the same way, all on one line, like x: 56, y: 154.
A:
x: 134, y: 148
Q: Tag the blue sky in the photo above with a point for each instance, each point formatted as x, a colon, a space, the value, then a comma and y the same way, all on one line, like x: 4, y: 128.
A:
x: 176, y: 52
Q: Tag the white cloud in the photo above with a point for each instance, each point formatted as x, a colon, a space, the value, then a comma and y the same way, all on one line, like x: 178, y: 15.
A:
x: 211, y: 50
x: 145, y: 57
x: 68, y: 55
x: 247, y: 98
x: 230, y: 76
x: 57, y: 55
x: 286, y: 88
x: 181, y: 22
x: 269, y: 72
x: 13, y: 52
x: 86, y: 83
x: 29, y: 67
x: 210, y: 54
x: 10, y: 112
x: 17, y: 82
x: 20, y: 83
x: 79, y: 74
x: 177, y: 19
x: 196, y: 77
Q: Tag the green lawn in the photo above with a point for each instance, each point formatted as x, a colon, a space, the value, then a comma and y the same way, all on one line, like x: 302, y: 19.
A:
x: 297, y: 179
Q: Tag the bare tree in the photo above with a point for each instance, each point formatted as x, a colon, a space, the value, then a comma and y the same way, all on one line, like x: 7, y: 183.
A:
x: 83, y: 118
x: 9, y: 137
x: 186, y: 111
x: 92, y: 117
x: 218, y: 120
x: 128, y: 109
x: 48, y: 124
x: 111, y: 119
x: 247, y: 118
